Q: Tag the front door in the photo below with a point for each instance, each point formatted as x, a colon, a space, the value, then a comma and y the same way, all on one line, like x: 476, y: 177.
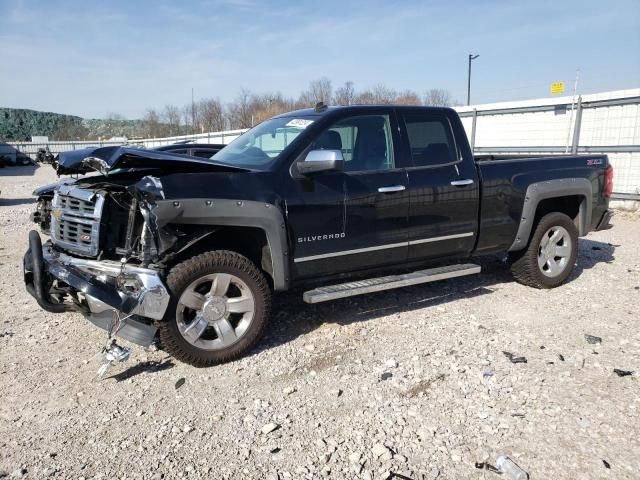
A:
x: 443, y: 187
x: 357, y: 218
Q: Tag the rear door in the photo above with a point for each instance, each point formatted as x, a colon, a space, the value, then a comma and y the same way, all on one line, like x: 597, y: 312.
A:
x: 443, y: 186
x: 357, y: 218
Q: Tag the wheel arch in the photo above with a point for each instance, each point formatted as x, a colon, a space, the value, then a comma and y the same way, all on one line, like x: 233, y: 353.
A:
x: 571, y: 196
x: 254, y: 229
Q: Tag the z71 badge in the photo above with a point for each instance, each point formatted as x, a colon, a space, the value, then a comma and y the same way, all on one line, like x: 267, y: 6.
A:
x: 594, y: 161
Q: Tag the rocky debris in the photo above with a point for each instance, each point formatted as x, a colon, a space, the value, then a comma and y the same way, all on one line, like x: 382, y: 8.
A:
x: 19, y: 473
x: 510, y: 469
x: 448, y: 399
x: 180, y: 383
x: 592, y: 339
x: 391, y: 363
x: 622, y: 373
x: 487, y: 466
x: 513, y: 358
x: 289, y: 390
x: 381, y: 452
x: 269, y: 427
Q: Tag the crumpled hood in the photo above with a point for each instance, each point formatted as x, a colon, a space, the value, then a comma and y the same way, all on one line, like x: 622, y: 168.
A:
x: 105, y: 159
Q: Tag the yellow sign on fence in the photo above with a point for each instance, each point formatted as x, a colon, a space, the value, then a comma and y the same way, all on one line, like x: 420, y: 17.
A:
x: 557, y: 87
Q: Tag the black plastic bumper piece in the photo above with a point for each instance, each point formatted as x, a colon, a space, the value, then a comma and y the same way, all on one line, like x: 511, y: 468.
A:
x: 36, y: 270
x: 34, y: 273
x: 605, y: 221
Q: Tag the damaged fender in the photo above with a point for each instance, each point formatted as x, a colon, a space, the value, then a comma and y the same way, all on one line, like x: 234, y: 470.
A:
x: 159, y: 211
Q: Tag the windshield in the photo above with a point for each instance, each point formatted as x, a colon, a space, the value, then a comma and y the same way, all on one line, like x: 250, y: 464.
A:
x: 259, y: 147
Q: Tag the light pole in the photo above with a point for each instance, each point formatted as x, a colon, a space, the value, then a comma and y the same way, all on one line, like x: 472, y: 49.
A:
x: 471, y: 57
x: 193, y: 114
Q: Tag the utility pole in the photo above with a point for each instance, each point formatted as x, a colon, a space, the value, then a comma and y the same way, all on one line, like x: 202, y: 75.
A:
x: 573, y: 103
x: 471, y: 57
x: 193, y: 114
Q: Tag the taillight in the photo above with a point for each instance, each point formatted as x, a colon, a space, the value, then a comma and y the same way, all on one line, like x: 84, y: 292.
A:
x: 608, y: 183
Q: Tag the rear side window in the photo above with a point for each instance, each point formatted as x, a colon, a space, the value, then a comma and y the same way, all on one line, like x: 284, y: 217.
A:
x: 365, y: 141
x: 204, y: 153
x: 430, y: 140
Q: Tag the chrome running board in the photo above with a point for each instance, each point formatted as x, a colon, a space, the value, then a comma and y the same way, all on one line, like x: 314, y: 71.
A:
x: 360, y: 287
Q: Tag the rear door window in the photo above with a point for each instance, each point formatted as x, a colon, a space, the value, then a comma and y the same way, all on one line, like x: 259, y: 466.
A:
x: 430, y: 139
x: 204, y: 153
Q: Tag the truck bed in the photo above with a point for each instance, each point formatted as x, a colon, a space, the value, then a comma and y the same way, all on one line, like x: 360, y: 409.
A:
x: 507, y: 181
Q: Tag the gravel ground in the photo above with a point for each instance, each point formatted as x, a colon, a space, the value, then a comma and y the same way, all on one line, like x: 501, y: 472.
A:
x: 411, y: 383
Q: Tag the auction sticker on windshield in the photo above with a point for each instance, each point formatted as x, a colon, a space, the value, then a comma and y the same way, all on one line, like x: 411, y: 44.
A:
x: 299, y: 123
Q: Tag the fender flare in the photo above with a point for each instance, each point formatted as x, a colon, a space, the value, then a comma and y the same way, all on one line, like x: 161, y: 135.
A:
x: 558, y: 188
x: 237, y: 213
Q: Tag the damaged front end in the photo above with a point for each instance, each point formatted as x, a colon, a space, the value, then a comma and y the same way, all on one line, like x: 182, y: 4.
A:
x: 113, y: 236
x: 106, y: 255
x: 60, y: 283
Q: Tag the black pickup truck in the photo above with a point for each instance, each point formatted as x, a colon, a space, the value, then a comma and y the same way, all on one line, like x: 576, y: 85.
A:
x: 333, y: 201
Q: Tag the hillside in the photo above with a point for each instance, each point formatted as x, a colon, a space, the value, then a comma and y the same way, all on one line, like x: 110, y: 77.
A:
x: 18, y: 124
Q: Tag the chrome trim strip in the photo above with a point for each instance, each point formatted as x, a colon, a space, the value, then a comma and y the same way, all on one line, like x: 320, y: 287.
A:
x: 438, y: 239
x: 349, y: 252
x: 381, y: 247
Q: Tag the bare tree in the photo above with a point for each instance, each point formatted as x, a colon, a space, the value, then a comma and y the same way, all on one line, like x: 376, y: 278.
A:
x: 319, y: 91
x: 172, y: 119
x: 113, y: 126
x: 345, y: 95
x: 68, y: 128
x: 437, y: 97
x: 151, y: 124
x: 211, y: 115
x: 407, y: 97
x: 365, y: 97
x: 383, y: 94
x: 240, y: 111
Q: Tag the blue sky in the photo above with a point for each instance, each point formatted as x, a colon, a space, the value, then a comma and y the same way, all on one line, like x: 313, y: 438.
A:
x: 89, y: 58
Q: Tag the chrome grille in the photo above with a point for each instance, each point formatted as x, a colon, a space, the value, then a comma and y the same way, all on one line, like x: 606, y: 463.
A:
x: 75, y: 220
x: 77, y: 205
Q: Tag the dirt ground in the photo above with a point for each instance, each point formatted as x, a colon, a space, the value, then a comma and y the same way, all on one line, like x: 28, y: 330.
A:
x: 411, y: 383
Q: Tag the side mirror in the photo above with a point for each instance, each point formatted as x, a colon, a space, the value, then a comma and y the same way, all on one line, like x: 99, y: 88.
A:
x: 321, y: 161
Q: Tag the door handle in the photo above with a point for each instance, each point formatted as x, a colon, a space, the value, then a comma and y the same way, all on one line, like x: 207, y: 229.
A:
x: 460, y: 183
x: 393, y: 188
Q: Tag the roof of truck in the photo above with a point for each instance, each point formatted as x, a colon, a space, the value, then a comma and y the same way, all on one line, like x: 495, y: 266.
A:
x: 312, y: 112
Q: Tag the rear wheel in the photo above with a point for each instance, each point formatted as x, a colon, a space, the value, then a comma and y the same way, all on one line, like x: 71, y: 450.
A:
x: 549, y: 258
x: 220, y: 306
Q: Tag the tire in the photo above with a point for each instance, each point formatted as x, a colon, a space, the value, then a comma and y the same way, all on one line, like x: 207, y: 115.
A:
x: 541, y: 265
x: 208, y: 323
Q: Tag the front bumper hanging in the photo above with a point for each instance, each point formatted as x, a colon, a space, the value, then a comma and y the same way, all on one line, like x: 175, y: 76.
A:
x: 106, y: 286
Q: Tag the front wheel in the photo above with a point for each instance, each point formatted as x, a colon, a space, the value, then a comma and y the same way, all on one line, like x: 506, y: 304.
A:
x: 220, y: 306
x: 549, y: 258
